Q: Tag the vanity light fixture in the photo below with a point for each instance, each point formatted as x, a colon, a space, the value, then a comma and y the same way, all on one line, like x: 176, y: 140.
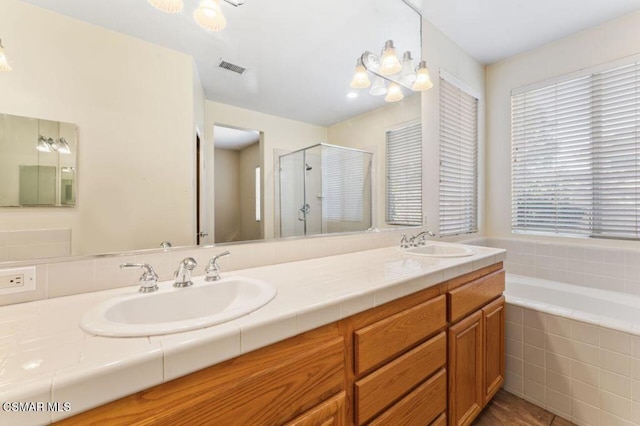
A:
x: 208, y: 14
x: 49, y: 145
x: 168, y: 6
x: 391, y: 74
x: 63, y: 146
x: 4, y: 65
x: 44, y: 145
x: 360, y: 77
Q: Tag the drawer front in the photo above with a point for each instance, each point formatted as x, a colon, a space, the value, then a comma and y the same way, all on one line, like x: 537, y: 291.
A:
x: 382, y: 340
x: 329, y: 413
x: 377, y: 391
x: 468, y: 298
x: 440, y: 421
x: 421, y: 406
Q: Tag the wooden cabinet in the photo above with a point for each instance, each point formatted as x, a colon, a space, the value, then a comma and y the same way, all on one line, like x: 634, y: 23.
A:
x: 270, y: 386
x: 493, y: 319
x: 476, y: 347
x: 465, y: 370
x: 388, y: 365
x: 426, y: 403
x: 381, y: 388
x: 328, y: 413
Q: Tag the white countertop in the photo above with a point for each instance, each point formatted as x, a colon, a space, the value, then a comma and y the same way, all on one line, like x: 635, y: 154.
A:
x: 46, y: 357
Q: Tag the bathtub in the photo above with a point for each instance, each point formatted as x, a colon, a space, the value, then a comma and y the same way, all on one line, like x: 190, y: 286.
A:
x: 574, y: 350
x: 615, y: 310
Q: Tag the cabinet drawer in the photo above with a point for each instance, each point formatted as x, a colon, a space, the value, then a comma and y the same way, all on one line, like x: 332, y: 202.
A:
x: 378, y: 390
x: 468, y: 298
x: 440, y: 421
x: 421, y: 406
x: 329, y: 413
x: 382, y: 340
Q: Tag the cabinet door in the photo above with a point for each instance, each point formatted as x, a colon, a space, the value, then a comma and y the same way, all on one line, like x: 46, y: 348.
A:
x: 493, y: 324
x: 329, y: 413
x: 466, y: 396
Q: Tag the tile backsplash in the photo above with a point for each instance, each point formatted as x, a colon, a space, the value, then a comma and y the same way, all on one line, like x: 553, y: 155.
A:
x: 64, y: 278
x: 34, y: 244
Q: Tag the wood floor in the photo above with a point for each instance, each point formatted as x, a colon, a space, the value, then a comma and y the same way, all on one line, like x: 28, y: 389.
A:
x: 508, y: 409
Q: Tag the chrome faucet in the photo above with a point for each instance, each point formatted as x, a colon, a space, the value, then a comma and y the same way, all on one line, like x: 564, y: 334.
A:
x: 212, y: 271
x: 421, y: 238
x: 404, y: 242
x: 183, y: 274
x: 148, y: 280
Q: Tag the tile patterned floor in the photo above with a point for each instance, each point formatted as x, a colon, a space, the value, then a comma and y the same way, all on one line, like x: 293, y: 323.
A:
x: 508, y: 409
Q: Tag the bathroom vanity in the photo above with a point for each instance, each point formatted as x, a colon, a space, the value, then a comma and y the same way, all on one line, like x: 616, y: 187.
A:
x: 433, y: 356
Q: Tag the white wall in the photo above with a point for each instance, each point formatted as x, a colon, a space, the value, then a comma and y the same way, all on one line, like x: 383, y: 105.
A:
x: 278, y: 133
x: 610, y: 41
x: 250, y: 229
x: 135, y: 165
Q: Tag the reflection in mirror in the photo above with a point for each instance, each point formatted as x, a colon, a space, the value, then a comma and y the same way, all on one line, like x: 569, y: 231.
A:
x: 139, y: 124
x: 324, y: 189
x: 238, y: 204
x: 37, y: 162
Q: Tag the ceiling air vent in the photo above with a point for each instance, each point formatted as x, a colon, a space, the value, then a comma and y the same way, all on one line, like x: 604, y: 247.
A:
x: 231, y: 67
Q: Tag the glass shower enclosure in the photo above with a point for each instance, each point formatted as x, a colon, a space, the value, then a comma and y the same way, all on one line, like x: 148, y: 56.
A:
x: 325, y: 189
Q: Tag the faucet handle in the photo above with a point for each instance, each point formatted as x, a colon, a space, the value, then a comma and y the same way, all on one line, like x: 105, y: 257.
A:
x: 183, y: 274
x: 404, y: 242
x: 212, y: 270
x: 148, y: 280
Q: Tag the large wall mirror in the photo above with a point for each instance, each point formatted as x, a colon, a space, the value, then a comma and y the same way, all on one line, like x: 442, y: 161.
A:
x: 141, y: 178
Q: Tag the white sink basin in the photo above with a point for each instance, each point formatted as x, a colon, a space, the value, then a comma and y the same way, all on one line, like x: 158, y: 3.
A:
x: 172, y: 310
x: 440, y: 250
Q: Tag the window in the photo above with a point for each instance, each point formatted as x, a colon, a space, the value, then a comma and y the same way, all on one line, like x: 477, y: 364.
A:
x: 343, y: 183
x: 576, y: 156
x: 458, y: 160
x: 404, y: 175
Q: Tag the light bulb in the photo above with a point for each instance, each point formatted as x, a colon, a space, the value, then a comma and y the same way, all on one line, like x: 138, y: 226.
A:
x: 43, y: 145
x: 209, y: 15
x: 4, y: 65
x: 63, y: 146
x: 169, y: 6
x: 423, y: 80
x: 407, y: 75
x: 378, y: 88
x: 360, y: 77
x: 394, y: 94
x: 390, y: 63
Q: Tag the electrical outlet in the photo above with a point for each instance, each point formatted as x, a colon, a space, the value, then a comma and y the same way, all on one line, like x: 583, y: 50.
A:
x: 17, y: 280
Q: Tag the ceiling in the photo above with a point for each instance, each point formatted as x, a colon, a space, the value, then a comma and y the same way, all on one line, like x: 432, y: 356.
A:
x: 234, y: 139
x: 493, y: 30
x: 300, y: 55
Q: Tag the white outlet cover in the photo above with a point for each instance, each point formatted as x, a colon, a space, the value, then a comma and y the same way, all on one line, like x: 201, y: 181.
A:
x: 29, y: 279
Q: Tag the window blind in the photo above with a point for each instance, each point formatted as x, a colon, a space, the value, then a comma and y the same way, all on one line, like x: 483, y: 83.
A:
x: 404, y: 175
x: 575, y: 164
x: 458, y: 160
x: 343, y: 174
